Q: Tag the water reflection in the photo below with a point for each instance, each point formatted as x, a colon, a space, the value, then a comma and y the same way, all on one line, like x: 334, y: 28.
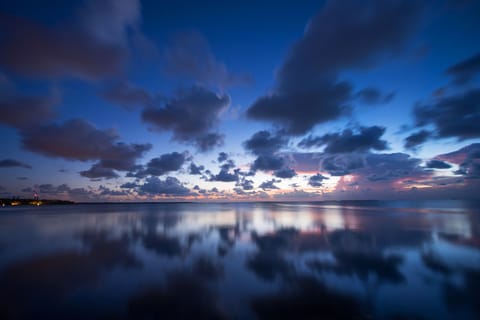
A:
x: 357, y: 260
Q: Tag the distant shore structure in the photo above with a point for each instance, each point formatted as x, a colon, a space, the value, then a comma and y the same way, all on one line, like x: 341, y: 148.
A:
x: 32, y: 202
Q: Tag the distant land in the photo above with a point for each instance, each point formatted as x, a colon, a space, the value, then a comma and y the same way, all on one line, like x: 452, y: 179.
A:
x: 31, y: 202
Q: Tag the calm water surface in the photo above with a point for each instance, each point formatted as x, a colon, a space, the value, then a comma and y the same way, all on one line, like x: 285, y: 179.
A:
x: 349, y: 260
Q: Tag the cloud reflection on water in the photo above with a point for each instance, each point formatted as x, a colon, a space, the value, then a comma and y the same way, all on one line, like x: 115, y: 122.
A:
x: 355, y: 260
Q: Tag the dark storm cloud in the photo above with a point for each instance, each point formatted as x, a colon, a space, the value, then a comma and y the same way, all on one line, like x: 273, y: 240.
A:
x: 191, y: 116
x: 464, y: 71
x: 166, y: 163
x: 344, y: 35
x: 129, y: 96
x: 269, y: 184
x: 189, y: 56
x: 77, y: 139
x: 21, y: 111
x: 91, y: 49
x: 416, y: 139
x: 438, y: 164
x: 365, y: 139
x: 9, y: 163
x: 373, y: 96
x: 171, y: 186
x: 316, y: 180
x: 455, y: 116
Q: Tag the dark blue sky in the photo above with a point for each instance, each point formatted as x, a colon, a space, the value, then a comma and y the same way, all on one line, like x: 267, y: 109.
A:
x: 240, y: 100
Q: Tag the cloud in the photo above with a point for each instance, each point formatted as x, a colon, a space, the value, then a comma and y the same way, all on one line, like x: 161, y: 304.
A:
x: 465, y: 70
x: 465, y: 154
x: 97, y: 171
x: 264, y: 142
x: 225, y: 176
x: 342, y: 164
x: 345, y: 35
x: 307, y: 162
x: 373, y: 96
x: 395, y: 175
x: 246, y: 184
x: 191, y: 116
x: 365, y: 139
x: 21, y: 111
x: 468, y: 160
x: 209, y: 141
x: 416, y: 139
x: 94, y: 48
x: 298, y: 112
x: 9, y: 163
x: 109, y: 21
x: 285, y: 173
x: 392, y: 166
x: 64, y: 191
x: 171, y: 186
x: 316, y: 180
x: 78, y: 139
x: 222, y: 156
x: 189, y: 56
x: 129, y: 96
x: 269, y: 184
x: 104, y: 191
x: 129, y: 185
x: 268, y: 163
x: 194, y: 169
x: 373, y: 171
x: 164, y: 164
x: 266, y: 147
x: 455, y: 116
x: 438, y: 164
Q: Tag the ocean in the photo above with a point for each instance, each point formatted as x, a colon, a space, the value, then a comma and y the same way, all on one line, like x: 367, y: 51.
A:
x: 330, y: 260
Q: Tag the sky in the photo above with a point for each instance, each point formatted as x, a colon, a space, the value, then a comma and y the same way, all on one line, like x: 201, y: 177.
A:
x: 129, y: 100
